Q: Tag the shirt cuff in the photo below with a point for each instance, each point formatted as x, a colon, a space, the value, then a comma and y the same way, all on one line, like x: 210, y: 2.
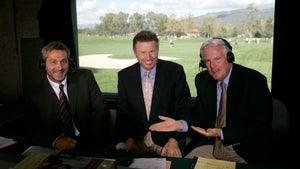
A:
x: 185, y: 126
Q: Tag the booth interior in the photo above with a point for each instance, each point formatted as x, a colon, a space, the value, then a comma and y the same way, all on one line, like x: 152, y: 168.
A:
x: 27, y: 25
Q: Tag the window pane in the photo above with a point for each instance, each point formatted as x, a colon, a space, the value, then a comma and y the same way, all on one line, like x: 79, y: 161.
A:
x: 106, y: 29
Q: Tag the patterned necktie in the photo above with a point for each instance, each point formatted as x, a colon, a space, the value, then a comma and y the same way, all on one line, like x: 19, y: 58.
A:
x: 219, y: 150
x: 67, y: 127
x: 147, y: 93
x: 148, y: 99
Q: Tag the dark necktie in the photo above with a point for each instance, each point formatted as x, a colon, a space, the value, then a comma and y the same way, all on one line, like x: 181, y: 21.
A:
x: 67, y: 127
x: 219, y: 150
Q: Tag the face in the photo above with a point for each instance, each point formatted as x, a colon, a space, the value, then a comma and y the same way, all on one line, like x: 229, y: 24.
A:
x: 57, y: 65
x: 146, y: 54
x: 216, y: 62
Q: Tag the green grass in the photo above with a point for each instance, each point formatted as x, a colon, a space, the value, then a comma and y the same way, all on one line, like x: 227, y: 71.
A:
x: 256, y: 56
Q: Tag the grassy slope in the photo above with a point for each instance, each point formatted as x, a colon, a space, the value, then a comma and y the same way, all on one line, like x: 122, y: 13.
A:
x: 256, y: 56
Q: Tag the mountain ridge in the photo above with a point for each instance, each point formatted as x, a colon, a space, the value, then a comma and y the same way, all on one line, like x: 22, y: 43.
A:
x: 233, y: 17
x: 237, y: 17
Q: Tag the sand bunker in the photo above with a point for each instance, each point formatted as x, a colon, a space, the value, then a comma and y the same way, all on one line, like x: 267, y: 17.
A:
x: 102, y: 61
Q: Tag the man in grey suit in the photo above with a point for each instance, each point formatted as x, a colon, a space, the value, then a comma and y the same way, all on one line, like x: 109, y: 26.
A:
x: 171, y: 98
x: 90, y: 113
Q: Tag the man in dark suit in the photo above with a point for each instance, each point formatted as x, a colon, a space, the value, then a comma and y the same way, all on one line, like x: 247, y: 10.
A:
x: 89, y: 111
x: 171, y: 98
x: 247, y: 133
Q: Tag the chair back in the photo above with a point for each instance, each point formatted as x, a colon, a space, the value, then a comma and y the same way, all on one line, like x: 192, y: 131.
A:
x: 281, y: 120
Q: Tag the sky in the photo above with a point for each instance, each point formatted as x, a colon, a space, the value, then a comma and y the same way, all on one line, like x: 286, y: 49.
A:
x: 89, y: 11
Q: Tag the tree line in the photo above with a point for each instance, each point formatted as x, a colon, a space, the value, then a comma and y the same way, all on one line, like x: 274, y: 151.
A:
x: 123, y: 24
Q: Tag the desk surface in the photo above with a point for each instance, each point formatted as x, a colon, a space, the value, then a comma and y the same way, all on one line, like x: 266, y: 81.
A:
x: 10, y: 156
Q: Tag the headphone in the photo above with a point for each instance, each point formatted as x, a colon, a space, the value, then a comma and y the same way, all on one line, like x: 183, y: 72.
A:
x: 229, y: 55
x: 72, y: 64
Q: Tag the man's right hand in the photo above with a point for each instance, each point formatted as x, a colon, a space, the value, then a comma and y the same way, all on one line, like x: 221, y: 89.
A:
x: 134, y: 147
x: 65, y: 143
x: 167, y: 125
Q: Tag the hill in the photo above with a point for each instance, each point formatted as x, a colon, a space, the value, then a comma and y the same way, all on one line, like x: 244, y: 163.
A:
x: 234, y: 17
x: 237, y: 17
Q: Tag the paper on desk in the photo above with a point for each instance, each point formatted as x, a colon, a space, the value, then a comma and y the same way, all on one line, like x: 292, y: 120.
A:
x: 5, y: 142
x: 213, y: 164
x: 150, y: 163
x: 39, y: 149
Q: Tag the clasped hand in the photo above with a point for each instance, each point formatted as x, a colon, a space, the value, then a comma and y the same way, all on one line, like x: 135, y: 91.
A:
x: 171, y: 149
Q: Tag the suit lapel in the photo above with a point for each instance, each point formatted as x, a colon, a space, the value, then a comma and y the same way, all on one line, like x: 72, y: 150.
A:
x: 48, y: 95
x: 158, y: 86
x: 234, y: 83
x: 210, y: 90
x: 72, y: 88
x: 137, y: 90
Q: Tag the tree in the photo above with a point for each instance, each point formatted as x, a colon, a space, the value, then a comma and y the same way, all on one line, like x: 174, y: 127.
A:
x: 105, y: 26
x: 161, y: 21
x: 120, y: 23
x: 136, y: 22
x: 113, y: 24
x: 209, y: 26
x: 156, y: 22
x: 172, y: 25
x: 187, y: 24
x: 250, y: 21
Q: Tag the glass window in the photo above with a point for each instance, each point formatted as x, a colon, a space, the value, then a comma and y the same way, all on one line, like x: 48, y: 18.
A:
x: 106, y: 29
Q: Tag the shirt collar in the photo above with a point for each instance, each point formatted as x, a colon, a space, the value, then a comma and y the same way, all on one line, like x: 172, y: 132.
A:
x: 152, y: 72
x: 56, y: 85
x: 226, y: 80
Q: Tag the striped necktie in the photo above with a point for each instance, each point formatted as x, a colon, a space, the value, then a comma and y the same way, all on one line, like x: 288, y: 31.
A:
x: 67, y: 127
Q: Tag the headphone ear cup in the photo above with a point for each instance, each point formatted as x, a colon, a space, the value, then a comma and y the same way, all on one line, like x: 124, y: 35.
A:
x: 72, y: 65
x: 41, y: 63
x: 230, y: 57
x: 202, y: 64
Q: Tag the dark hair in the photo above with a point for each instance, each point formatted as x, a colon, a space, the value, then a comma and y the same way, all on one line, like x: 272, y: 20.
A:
x: 55, y: 45
x: 145, y: 36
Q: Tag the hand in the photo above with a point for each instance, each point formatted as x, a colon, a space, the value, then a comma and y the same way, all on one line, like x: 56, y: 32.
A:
x: 210, y: 132
x: 167, y: 125
x: 65, y: 143
x: 134, y: 147
x: 171, y: 149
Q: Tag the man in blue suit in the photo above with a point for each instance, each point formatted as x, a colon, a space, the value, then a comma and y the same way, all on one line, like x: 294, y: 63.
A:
x: 171, y: 98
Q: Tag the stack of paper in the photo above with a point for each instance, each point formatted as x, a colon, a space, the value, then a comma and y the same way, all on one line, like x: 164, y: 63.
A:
x: 5, y: 142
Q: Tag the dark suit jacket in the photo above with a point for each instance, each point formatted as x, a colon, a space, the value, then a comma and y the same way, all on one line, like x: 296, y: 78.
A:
x: 248, y: 116
x: 89, y: 109
x: 171, y: 97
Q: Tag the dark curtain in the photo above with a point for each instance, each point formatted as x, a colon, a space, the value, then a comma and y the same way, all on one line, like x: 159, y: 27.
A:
x: 57, y: 22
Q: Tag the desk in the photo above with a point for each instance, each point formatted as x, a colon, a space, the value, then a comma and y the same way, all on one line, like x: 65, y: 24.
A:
x: 10, y: 160
x: 11, y: 155
x: 184, y: 163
